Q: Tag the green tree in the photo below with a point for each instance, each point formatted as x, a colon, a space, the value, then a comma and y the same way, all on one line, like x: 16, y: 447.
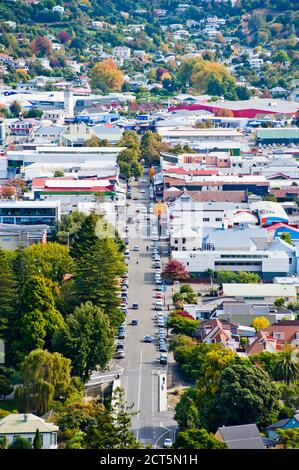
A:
x: 67, y: 227
x: 245, y: 395
x: 37, y: 442
x: 187, y: 413
x: 286, y: 368
x: 99, y: 265
x: 8, y: 293
x: 87, y: 339
x: 129, y: 164
x: 52, y: 368
x: 3, y: 443
x: 279, y: 302
x: 289, y: 437
x: 5, y: 386
x: 58, y: 174
x: 197, y: 439
x: 182, y: 325
x: 20, y: 442
x: 111, y: 430
x: 50, y: 260
x: 151, y: 146
x: 286, y: 237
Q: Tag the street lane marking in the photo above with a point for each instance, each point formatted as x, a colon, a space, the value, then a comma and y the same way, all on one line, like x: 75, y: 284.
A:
x: 139, y: 394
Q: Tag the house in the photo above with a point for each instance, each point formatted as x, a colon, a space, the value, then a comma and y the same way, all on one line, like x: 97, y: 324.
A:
x: 287, y: 423
x: 25, y: 425
x: 245, y: 311
x: 245, y: 436
x: 285, y: 331
x: 58, y: 9
x: 261, y: 342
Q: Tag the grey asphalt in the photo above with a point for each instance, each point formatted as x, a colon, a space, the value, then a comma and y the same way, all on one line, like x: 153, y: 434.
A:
x: 141, y: 363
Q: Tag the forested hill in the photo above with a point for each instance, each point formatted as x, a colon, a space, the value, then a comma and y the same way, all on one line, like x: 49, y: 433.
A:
x: 251, y: 22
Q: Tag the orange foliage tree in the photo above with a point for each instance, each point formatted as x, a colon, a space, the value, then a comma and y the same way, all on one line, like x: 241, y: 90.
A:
x: 106, y: 76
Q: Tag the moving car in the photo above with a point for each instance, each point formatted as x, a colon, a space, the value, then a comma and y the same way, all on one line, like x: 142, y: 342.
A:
x: 167, y: 443
x: 163, y: 358
x: 148, y: 339
x: 135, y: 306
x: 136, y: 248
x: 135, y: 322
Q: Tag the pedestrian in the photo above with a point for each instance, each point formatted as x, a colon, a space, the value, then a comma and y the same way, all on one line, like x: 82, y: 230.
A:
x: 168, y: 307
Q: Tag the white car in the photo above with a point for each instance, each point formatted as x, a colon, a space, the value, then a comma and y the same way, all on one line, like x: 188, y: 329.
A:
x: 167, y: 443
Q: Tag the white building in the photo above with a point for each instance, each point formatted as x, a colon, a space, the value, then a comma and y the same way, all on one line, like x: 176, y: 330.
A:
x: 25, y: 425
x: 121, y: 52
x: 58, y: 8
x: 267, y: 264
x: 64, y: 155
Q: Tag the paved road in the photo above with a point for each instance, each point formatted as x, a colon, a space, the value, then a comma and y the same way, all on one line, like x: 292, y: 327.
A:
x: 141, y: 364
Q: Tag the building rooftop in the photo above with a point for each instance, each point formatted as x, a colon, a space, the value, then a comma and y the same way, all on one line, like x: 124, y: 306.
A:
x: 17, y: 423
x: 258, y: 290
x: 245, y: 436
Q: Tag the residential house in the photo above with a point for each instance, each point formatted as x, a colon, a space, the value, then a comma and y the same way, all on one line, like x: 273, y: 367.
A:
x: 25, y: 425
x: 287, y: 423
x: 244, y: 436
x: 262, y: 341
x: 58, y: 9
x: 245, y: 311
x: 285, y: 332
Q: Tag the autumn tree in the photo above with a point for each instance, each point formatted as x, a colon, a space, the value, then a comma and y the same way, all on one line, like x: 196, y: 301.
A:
x: 15, y: 108
x: 175, y: 270
x: 41, y: 46
x: 260, y: 323
x: 7, y: 192
x: 106, y: 76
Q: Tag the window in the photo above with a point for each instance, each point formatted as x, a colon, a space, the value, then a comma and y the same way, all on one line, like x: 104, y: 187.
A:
x: 278, y: 335
x: 218, y: 219
x: 206, y: 219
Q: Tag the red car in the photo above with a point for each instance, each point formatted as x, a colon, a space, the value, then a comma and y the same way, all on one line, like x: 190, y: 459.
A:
x: 158, y: 295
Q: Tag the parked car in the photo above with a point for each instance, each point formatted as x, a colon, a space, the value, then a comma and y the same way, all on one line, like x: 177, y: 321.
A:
x: 120, y: 354
x: 158, y: 305
x: 162, y: 347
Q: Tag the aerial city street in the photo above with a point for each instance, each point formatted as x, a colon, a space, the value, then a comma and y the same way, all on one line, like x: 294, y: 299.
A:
x: 149, y: 228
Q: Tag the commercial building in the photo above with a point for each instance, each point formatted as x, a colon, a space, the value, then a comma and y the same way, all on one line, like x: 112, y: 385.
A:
x: 29, y: 212
x: 283, y: 135
x: 266, y: 264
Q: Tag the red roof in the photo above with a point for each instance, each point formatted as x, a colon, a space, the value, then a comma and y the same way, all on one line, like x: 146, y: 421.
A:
x: 182, y: 171
x: 281, y: 225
